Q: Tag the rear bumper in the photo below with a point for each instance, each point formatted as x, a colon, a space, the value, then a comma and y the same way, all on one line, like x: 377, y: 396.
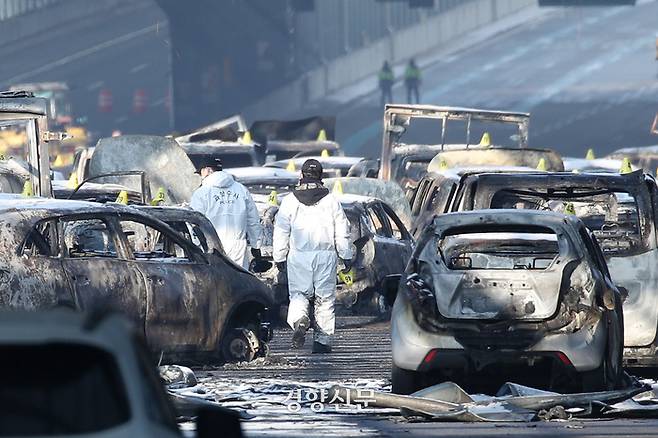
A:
x: 641, y: 357
x: 412, y: 345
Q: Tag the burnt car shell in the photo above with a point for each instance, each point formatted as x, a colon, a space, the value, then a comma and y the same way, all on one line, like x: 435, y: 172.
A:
x: 464, y: 314
x: 182, y: 299
x: 625, y: 230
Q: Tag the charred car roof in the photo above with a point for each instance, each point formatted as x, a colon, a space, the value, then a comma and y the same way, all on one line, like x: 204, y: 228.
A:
x: 503, y: 217
x: 564, y: 179
x: 22, y: 102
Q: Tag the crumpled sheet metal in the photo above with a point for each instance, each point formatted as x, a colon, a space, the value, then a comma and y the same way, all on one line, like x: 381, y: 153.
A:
x: 513, y: 403
x: 164, y: 161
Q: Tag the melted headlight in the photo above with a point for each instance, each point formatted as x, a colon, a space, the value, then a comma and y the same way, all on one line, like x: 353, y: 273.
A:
x: 422, y: 300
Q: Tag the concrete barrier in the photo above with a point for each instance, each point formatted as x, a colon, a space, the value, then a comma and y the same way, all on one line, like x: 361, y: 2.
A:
x: 416, y: 40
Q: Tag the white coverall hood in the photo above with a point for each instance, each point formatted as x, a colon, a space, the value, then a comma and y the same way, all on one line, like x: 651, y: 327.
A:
x: 232, y: 211
x: 311, y: 238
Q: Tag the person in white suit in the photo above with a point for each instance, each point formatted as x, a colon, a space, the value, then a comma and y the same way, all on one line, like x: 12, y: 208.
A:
x: 232, y: 211
x: 311, y: 233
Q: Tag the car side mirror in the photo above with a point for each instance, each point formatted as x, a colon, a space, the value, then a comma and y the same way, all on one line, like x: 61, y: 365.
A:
x: 391, y: 283
x: 217, y: 421
x: 623, y: 291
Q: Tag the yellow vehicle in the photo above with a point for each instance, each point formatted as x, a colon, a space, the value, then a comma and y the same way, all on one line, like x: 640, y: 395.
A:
x: 60, y: 116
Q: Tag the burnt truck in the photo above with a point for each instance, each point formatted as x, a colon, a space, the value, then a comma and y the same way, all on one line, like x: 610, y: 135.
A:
x: 407, y: 156
x: 619, y: 209
x: 189, y: 300
x: 25, y: 138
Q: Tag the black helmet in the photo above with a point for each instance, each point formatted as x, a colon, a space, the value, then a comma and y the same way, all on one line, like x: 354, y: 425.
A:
x: 312, y: 170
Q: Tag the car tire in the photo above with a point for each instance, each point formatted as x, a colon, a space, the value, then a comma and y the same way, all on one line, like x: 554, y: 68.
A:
x: 608, y: 375
x: 240, y: 345
x: 403, y: 381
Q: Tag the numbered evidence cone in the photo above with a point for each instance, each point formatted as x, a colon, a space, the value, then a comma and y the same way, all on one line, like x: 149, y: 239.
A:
x: 338, y: 188
x: 73, y: 180
x: 322, y: 135
x: 122, y: 198
x: 626, y: 166
x: 485, y: 140
x: 273, y: 199
x: 324, y: 153
x: 291, y: 166
x: 159, y: 197
x: 347, y: 277
x: 569, y: 208
x: 541, y: 165
x: 27, y: 189
x: 246, y: 138
x: 590, y: 154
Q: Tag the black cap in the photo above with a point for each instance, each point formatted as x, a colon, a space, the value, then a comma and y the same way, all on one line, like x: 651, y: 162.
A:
x: 312, y: 170
x: 213, y: 163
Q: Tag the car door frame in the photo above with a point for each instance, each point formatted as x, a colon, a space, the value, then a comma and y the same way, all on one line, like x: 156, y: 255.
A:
x: 181, y: 304
x: 387, y: 246
x: 133, y: 307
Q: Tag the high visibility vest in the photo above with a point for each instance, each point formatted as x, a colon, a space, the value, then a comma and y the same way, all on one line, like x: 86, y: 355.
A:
x: 385, y: 75
x: 412, y: 73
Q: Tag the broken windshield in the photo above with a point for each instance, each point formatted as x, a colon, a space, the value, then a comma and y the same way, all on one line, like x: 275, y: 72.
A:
x: 612, y: 216
x: 458, y: 132
x: 499, y: 250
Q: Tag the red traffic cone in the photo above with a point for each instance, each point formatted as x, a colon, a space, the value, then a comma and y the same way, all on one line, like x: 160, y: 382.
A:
x: 105, y: 101
x: 139, y: 101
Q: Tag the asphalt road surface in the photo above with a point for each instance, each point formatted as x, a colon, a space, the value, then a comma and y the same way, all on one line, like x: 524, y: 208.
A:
x: 588, y: 76
x: 122, y: 51
x: 361, y: 358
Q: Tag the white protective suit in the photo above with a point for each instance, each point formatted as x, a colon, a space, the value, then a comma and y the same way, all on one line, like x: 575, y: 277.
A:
x: 232, y: 211
x: 310, y: 238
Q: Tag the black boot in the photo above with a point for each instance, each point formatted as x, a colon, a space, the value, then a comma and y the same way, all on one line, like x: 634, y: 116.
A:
x: 299, y: 335
x: 321, y: 348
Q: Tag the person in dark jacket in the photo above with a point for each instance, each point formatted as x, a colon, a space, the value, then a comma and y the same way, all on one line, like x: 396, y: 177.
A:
x: 386, y: 80
x: 412, y: 81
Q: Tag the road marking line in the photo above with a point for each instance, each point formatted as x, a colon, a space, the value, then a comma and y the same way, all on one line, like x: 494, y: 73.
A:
x: 138, y: 68
x: 95, y: 85
x: 82, y: 53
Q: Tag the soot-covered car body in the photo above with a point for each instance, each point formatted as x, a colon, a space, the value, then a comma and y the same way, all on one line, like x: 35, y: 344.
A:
x: 620, y: 209
x: 188, y: 302
x: 492, y: 290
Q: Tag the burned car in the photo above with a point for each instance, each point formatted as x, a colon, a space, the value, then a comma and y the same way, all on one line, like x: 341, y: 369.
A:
x: 99, y: 380
x: 189, y: 303
x: 620, y: 209
x: 383, y: 246
x: 498, y: 292
x: 642, y: 157
x: 333, y: 167
x: 407, y: 155
x: 286, y: 139
x: 434, y: 193
x: 267, y: 185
